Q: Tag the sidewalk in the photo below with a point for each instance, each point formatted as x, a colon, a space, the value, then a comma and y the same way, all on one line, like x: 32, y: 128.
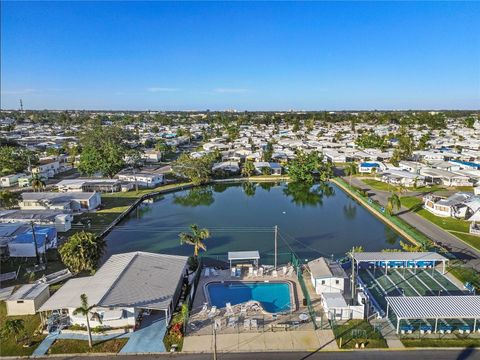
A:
x: 308, y: 340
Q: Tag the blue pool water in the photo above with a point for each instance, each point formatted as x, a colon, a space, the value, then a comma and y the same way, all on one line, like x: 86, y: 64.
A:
x: 274, y: 296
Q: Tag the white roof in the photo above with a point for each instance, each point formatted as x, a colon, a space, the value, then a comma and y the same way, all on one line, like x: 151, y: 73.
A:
x: 243, y: 255
x: 28, y: 292
x: 398, y: 256
x: 334, y: 300
x: 435, y: 307
x: 135, y: 279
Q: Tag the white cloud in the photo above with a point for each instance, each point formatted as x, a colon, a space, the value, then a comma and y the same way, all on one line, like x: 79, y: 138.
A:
x: 161, y: 89
x: 230, y: 90
x: 18, y: 91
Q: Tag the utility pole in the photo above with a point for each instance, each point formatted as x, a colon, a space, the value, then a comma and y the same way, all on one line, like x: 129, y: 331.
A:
x: 35, y: 243
x: 21, y: 105
x: 276, y: 234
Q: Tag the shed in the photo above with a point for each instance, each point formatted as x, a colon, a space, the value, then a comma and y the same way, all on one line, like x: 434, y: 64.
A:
x: 27, y: 299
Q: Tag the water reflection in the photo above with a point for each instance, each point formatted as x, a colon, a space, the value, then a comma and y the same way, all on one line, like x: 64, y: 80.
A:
x: 198, y: 196
x: 307, y: 195
x: 249, y: 188
x: 350, y: 211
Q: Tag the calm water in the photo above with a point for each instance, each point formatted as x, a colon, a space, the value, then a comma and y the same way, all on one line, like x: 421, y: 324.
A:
x: 274, y: 296
x: 321, y: 221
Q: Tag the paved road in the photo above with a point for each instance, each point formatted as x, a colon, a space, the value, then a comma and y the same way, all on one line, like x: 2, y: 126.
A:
x: 459, y: 354
x: 458, y: 247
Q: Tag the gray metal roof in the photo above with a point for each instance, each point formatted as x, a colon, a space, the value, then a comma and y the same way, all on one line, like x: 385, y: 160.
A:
x: 323, y: 268
x: 28, y: 292
x: 243, y: 255
x: 135, y: 279
x: 435, y: 307
x: 398, y: 256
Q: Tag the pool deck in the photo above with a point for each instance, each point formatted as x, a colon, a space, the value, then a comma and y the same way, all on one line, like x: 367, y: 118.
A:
x: 201, y: 324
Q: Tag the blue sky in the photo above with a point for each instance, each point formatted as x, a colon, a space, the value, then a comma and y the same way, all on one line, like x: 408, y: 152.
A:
x: 246, y: 56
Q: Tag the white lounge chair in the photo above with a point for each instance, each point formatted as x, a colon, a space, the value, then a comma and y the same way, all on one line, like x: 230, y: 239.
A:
x: 207, y: 272
x: 253, y: 324
x: 218, y: 324
x: 246, y: 324
x: 255, y: 273
x: 204, y: 310
x: 260, y: 271
x: 290, y: 271
x: 233, y: 271
x: 284, y: 270
x: 214, y: 272
x: 274, y: 273
x: 250, y: 271
x: 229, y: 311
x: 212, y: 312
x: 243, y: 309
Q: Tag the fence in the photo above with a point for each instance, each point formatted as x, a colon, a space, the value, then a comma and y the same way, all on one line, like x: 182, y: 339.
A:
x: 296, y: 263
x: 380, y: 211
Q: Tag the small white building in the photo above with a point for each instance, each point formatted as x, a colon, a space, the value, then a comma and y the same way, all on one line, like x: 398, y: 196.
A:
x: 74, y: 201
x: 327, y: 276
x: 47, y: 168
x: 152, y: 156
x: 27, y: 299
x: 10, y: 180
x: 336, y: 307
x: 141, y: 178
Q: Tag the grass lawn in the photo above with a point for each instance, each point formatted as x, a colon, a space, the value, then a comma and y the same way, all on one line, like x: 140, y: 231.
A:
x: 441, y: 342
x: 465, y: 274
x: 347, y: 331
x: 13, y: 264
x: 380, y: 185
x: 64, y: 346
x: 9, y: 347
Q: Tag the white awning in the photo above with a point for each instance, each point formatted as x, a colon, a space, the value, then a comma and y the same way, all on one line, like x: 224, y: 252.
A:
x: 398, y: 256
x: 243, y: 255
x: 435, y: 307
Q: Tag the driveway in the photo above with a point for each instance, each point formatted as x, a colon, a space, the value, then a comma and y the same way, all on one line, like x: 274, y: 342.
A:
x: 149, y: 338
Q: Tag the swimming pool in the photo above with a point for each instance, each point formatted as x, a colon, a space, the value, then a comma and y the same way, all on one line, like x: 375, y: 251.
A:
x: 274, y: 296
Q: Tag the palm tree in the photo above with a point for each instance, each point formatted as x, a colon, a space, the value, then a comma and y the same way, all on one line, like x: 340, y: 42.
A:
x: 37, y: 182
x: 13, y: 327
x: 393, y: 203
x: 86, y: 310
x: 350, y: 169
x: 195, y: 238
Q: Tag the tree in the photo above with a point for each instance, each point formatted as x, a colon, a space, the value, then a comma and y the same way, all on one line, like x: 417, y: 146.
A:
x: 419, y: 247
x: 249, y: 188
x: 248, y: 169
x: 15, y: 159
x: 350, y: 169
x: 195, y: 239
x: 103, y: 150
x: 13, y: 327
x: 469, y: 122
x: 306, y: 165
x: 86, y: 310
x: 37, y: 182
x: 82, y: 252
x: 393, y: 203
x: 8, y: 199
x: 405, y: 147
x: 268, y: 152
x: 197, y: 170
x: 163, y: 147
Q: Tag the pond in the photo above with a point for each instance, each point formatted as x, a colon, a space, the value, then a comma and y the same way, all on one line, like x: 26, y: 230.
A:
x: 312, y: 221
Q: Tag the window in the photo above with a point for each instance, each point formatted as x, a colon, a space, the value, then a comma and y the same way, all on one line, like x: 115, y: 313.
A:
x: 323, y: 282
x: 19, y: 301
x: 337, y: 282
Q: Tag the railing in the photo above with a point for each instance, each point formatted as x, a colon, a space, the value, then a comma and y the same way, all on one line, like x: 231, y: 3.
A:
x: 311, y: 310
x: 379, y: 210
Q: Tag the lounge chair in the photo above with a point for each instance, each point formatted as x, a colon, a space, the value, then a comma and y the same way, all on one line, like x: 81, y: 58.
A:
x: 207, y: 272
x: 260, y: 271
x: 250, y: 271
x: 243, y: 309
x: 212, y: 312
x: 238, y: 272
x: 229, y: 311
x: 246, y: 324
x: 274, y: 273
x: 204, y: 310
x: 290, y: 271
x: 284, y: 270
x: 232, y: 321
x: 233, y: 271
x: 253, y: 324
x: 214, y: 272
x: 255, y: 273
x: 218, y: 324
